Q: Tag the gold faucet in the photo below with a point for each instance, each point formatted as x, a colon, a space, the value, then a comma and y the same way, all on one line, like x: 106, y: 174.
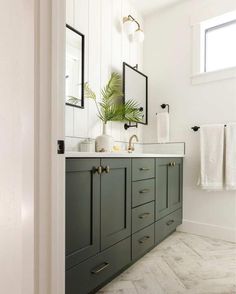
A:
x: 131, y: 146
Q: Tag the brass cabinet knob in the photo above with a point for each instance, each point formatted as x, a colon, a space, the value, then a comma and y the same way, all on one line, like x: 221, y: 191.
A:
x: 172, y: 164
x: 97, y: 170
x: 106, y: 169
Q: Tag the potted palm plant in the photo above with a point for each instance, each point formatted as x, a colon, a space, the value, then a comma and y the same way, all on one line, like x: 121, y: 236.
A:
x: 112, y: 108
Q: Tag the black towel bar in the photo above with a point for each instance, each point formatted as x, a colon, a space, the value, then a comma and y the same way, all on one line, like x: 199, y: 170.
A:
x: 196, y: 128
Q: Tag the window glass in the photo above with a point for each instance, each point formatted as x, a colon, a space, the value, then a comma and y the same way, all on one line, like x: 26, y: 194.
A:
x: 220, y: 46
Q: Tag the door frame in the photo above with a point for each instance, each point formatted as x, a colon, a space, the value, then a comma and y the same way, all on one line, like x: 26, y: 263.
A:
x: 58, y: 23
x: 43, y: 226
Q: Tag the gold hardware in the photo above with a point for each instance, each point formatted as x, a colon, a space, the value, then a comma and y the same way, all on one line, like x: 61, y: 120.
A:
x: 130, y: 146
x: 97, y: 170
x: 100, y: 268
x: 144, y: 215
x: 144, y: 191
x: 144, y: 239
x: 144, y: 169
x: 172, y: 164
x: 106, y: 169
x: 170, y: 222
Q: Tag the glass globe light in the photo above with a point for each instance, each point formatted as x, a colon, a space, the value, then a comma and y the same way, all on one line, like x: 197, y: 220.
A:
x: 129, y: 25
x: 139, y: 36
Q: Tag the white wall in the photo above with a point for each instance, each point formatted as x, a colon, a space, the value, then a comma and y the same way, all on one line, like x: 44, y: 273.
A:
x: 17, y: 146
x: 168, y: 62
x: 107, y: 46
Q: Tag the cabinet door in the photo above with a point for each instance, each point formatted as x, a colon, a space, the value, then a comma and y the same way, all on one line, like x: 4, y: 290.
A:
x: 168, y: 185
x: 162, y: 204
x: 82, y: 210
x: 175, y: 176
x: 115, y: 201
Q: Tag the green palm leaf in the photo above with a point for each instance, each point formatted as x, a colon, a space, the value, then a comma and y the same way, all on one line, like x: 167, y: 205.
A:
x: 111, y: 107
x: 88, y: 92
x: 113, y: 89
x: 132, y: 111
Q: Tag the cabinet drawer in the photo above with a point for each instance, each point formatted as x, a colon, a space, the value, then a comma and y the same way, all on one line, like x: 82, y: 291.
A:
x: 142, y: 216
x: 142, y: 241
x: 166, y: 225
x: 143, y: 168
x: 89, y: 274
x: 143, y: 192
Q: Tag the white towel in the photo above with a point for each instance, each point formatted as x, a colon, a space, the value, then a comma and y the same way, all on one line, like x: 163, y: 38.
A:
x: 230, y: 156
x: 212, y: 157
x: 163, y: 127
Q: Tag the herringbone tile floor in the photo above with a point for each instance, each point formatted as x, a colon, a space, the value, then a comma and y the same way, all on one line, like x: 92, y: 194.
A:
x: 183, y: 263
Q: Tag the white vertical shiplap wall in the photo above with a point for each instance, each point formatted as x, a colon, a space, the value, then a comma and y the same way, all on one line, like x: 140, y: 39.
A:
x: 106, y: 47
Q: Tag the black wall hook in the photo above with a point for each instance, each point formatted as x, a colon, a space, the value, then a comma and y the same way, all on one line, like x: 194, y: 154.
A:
x: 163, y: 106
x: 195, y: 128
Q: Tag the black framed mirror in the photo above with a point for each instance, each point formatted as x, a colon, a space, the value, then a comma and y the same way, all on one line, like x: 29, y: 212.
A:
x: 74, y: 67
x: 135, y: 86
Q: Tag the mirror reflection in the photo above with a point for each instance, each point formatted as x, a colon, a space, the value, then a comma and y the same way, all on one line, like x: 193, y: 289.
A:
x: 135, y: 87
x: 74, y: 67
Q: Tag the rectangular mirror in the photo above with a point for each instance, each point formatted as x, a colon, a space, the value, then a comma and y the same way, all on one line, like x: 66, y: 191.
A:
x: 136, y: 87
x: 74, y: 67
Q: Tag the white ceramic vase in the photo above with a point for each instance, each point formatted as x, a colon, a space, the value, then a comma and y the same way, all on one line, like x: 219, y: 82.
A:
x: 104, y: 143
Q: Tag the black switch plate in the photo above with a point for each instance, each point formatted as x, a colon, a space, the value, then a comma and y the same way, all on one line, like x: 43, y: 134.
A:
x: 60, y: 147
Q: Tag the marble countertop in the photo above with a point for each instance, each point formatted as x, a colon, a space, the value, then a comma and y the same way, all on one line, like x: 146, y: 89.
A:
x: 76, y: 154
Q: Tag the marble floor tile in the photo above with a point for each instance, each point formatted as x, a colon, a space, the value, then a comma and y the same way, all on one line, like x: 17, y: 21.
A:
x: 183, y: 263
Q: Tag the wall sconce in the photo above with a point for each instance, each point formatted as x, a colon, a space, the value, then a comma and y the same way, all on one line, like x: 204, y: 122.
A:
x: 132, y: 27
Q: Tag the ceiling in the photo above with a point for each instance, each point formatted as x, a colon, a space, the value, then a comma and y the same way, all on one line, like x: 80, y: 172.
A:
x: 148, y: 6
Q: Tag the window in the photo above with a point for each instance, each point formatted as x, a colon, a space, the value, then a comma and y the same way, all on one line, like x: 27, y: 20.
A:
x: 214, y: 46
x: 220, y: 46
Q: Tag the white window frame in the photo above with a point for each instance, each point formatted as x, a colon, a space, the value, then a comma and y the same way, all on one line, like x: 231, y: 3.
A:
x: 211, y: 29
x: 199, y: 75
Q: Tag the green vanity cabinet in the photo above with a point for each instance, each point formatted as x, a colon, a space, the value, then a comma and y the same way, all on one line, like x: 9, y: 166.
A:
x: 91, y: 273
x: 165, y: 226
x: 115, y: 201
x: 82, y: 210
x: 169, y: 178
x: 117, y: 209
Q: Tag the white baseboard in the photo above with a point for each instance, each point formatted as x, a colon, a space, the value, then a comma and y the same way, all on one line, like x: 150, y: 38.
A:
x: 208, y: 230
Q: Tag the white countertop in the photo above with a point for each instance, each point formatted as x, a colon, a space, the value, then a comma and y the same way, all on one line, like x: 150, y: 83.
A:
x: 76, y: 154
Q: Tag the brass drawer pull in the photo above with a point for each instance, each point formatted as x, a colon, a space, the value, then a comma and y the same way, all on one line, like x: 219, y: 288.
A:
x: 144, y: 215
x: 144, y: 191
x: 100, y: 268
x: 170, y: 222
x: 144, y: 169
x: 106, y: 169
x: 97, y: 170
x: 144, y: 239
